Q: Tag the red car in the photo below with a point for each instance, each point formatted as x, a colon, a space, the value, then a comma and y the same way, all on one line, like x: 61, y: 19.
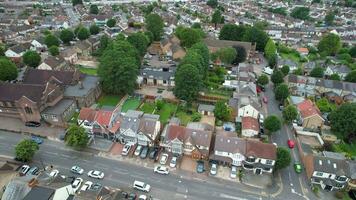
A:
x: 290, y: 143
x: 264, y: 99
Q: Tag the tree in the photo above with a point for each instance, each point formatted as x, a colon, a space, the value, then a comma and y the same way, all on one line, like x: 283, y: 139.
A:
x: 111, y: 22
x: 270, y: 49
x: 203, y: 51
x: 8, y: 70
x: 232, y: 32
x: 154, y: 24
x: 66, y: 36
x: 240, y: 54
x: 300, y: 13
x: 53, y: 50
x: 329, y: 18
x: 140, y: 41
x: 2, y: 50
x: 281, y: 92
x: 335, y: 77
x: 227, y: 54
x: 285, y: 70
x: 290, y: 113
x: 256, y: 35
x: 196, y: 117
x: 272, y: 123
x: 352, y: 51
x: 25, y: 150
x: 277, y: 77
x: 51, y: 40
x: 343, y: 121
x: 212, y: 3
x: 188, y: 37
x: 317, y: 72
x: 31, y: 58
x: 324, y: 105
x: 94, y: 9
x: 221, y: 111
x: 187, y: 82
x: 329, y: 44
x: 262, y: 80
x: 77, y: 137
x: 196, y: 25
x: 83, y: 33
x: 298, y: 71
x: 216, y: 18
x: 283, y: 158
x: 77, y: 2
x: 194, y: 58
x: 351, y: 77
x: 94, y: 29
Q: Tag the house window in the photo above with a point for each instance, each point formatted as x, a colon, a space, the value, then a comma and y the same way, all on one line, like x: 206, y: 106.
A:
x: 250, y: 159
x: 269, y: 162
x: 341, y: 178
x: 28, y: 110
x: 319, y: 174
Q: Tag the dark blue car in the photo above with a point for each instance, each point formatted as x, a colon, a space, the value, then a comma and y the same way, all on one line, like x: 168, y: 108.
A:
x: 37, y: 139
x: 200, y: 166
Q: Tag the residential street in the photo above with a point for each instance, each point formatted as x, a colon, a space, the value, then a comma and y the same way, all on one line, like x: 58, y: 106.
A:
x: 177, y: 185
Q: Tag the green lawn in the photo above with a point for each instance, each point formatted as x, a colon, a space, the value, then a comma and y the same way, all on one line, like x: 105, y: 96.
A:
x: 184, y: 117
x: 109, y: 100
x: 166, y: 112
x: 346, y: 148
x: 89, y: 71
x: 131, y: 104
x: 291, y: 56
x: 148, y: 107
x: 74, y: 118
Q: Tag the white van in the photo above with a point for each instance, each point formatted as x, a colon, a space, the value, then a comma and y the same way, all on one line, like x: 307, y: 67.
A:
x: 267, y: 70
x: 141, y: 186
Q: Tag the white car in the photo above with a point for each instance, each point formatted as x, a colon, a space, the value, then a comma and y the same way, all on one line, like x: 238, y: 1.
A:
x: 138, y: 185
x: 267, y: 70
x: 126, y: 149
x: 76, y: 184
x: 24, y: 169
x: 161, y: 170
x: 163, y: 159
x: 138, y: 150
x: 142, y: 197
x: 213, y: 169
x: 233, y: 172
x: 86, y: 186
x: 54, y: 173
x: 77, y: 170
x: 173, y: 162
x: 261, y: 118
x: 96, y: 174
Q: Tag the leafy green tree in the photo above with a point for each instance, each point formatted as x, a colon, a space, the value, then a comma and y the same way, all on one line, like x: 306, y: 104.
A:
x: 272, y: 61
x: 187, y: 82
x: 262, y: 80
x: 203, y: 51
x: 94, y: 29
x: 111, y: 22
x: 279, y: 10
x: 240, y: 54
x: 196, y: 25
x: 126, y: 48
x: 329, y: 18
x: 290, y: 113
x: 317, y: 72
x: 2, y: 50
x: 352, y: 51
x: 272, y: 123
x: 300, y: 13
x: 298, y: 71
x: 283, y: 158
x: 343, y: 121
x: 8, y: 70
x: 212, y: 3
x: 53, y: 50
x: 196, y: 117
x: 77, y: 137
x: 227, y: 54
x: 277, y: 77
x: 216, y: 18
x: 77, y: 2
x: 51, y: 40
x: 83, y: 33
x: 335, y: 77
x: 149, y: 36
x: 329, y: 44
x: 232, y: 32
x: 194, y: 58
x: 25, y: 150
x: 270, y: 49
x: 285, y: 70
x: 324, y: 105
x: 188, y: 37
x: 222, y: 111
x: 256, y: 35
x: 31, y: 58
x: 351, y: 77
x: 94, y: 9
x: 281, y: 92
x: 66, y: 36
x: 104, y: 42
x: 154, y: 24
x: 140, y: 41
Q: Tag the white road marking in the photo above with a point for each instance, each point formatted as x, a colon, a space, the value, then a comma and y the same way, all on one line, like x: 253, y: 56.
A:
x: 226, y: 196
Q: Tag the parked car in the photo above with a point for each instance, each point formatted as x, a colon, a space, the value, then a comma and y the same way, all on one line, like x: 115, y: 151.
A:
x: 24, y: 169
x: 124, y: 194
x: 54, y: 173
x: 298, y: 167
x: 87, y: 185
x: 290, y: 143
x: 142, y: 197
x: 70, y: 179
x: 144, y: 153
x: 153, y: 153
x: 173, y: 162
x: 77, y: 170
x: 267, y: 70
x: 142, y: 186
x: 37, y: 139
x: 126, y: 149
x: 213, y: 169
x: 33, y: 171
x: 200, y: 166
x: 261, y: 118
x: 233, y: 172
x: 96, y: 187
x: 161, y: 170
x: 132, y: 196
x: 164, y: 158
x: 138, y: 150
x: 32, y: 124
x: 281, y: 106
x: 262, y: 131
x: 76, y: 184
x: 96, y: 174
x: 264, y: 99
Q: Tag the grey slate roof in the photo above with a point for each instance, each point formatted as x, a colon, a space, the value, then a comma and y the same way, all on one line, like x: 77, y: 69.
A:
x: 206, y: 107
x: 89, y: 82
x: 330, y: 165
x: 40, y: 193
x: 60, y: 107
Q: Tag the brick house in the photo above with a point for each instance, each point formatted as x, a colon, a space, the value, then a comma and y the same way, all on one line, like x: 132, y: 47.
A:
x: 310, y: 115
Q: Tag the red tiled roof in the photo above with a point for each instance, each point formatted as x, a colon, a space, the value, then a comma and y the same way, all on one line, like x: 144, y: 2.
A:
x: 103, y: 117
x: 87, y: 114
x: 175, y: 131
x: 303, y: 50
x: 261, y: 150
x: 308, y: 109
x: 250, y: 123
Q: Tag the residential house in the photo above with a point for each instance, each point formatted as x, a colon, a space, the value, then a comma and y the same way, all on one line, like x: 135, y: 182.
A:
x: 309, y: 66
x: 341, y: 70
x: 310, y: 115
x: 198, y: 139
x: 352, y: 175
x: 38, y: 44
x: 248, y: 111
x: 148, y: 130
x: 94, y: 42
x: 83, y: 49
x: 249, y: 127
x: 16, y: 52
x: 129, y: 126
x: 303, y: 51
x: 206, y: 109
x: 53, y: 63
x: 171, y: 47
x: 172, y: 138
x: 70, y: 55
x: 291, y: 64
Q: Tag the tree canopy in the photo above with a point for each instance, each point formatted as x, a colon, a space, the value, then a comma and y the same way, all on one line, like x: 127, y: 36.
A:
x: 317, y: 72
x: 335, y: 77
x: 53, y: 50
x: 216, y: 18
x: 25, y: 150
x: 285, y: 69
x: 194, y: 58
x: 94, y: 9
x: 77, y: 137
x: 31, y: 58
x: 324, y: 105
x: 221, y: 111
x: 262, y: 80
x: 290, y: 113
x: 212, y: 3
x: 329, y: 44
x: 300, y: 13
x: 77, y: 2
x: 83, y: 33
x: 277, y: 77
x: 270, y: 49
x: 154, y: 24
x: 94, y: 29
x: 281, y: 92
x: 227, y: 54
x: 272, y: 123
x: 351, y: 77
x: 188, y: 36
x: 187, y: 82
x: 240, y: 54
x: 111, y: 22
x: 329, y: 18
x: 8, y: 70
x: 140, y: 41
x: 343, y: 121
x: 51, y: 40
x: 283, y: 158
x: 232, y: 32
x: 66, y: 36
x: 203, y: 51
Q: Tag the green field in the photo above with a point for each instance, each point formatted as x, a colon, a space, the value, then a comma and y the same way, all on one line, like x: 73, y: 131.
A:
x: 130, y: 104
x: 148, y: 107
x: 89, y: 71
x: 166, y: 112
x: 109, y: 100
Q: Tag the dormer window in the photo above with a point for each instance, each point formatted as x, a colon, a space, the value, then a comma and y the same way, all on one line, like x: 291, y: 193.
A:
x: 341, y: 178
